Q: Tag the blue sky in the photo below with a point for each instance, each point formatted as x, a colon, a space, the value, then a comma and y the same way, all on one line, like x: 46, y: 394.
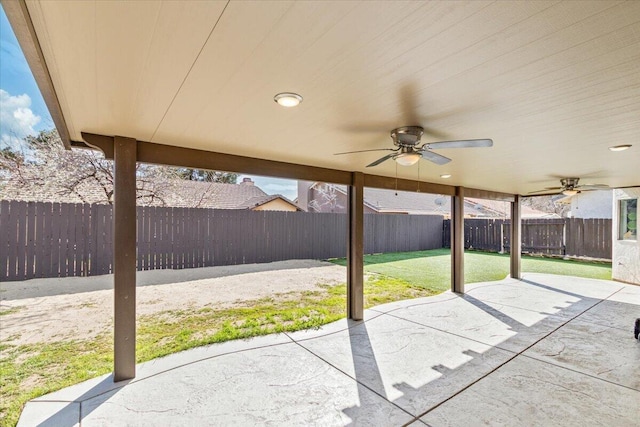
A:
x: 23, y: 111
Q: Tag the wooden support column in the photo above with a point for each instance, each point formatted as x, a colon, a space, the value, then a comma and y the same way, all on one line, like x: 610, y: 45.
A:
x: 124, y: 258
x: 457, y: 241
x: 355, y: 248
x: 516, y: 239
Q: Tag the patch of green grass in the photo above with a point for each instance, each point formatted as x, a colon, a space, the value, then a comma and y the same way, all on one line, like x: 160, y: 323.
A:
x: 29, y: 371
x: 432, y: 269
x: 11, y: 310
x: 590, y: 270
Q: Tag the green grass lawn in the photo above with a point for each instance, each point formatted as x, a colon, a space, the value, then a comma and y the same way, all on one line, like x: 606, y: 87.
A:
x: 432, y: 269
x: 29, y: 371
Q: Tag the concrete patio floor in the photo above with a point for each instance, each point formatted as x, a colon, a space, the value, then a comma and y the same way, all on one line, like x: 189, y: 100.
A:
x: 546, y: 350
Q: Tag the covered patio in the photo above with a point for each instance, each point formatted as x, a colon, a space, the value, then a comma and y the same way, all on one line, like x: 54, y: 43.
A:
x: 544, y: 350
x: 554, y: 85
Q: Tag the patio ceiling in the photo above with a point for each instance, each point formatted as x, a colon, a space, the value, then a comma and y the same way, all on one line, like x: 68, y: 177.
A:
x: 554, y: 84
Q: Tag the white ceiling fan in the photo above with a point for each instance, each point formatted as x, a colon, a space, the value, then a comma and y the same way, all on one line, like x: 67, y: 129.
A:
x: 409, y: 151
x: 570, y: 187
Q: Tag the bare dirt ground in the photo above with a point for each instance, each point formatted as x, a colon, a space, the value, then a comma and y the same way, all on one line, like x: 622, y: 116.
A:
x: 45, y: 310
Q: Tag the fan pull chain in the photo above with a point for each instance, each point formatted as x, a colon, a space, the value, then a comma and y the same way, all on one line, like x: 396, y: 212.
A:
x: 396, y: 178
x: 419, y: 175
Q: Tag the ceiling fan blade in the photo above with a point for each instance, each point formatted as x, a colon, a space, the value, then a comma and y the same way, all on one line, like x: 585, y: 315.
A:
x: 366, y: 151
x: 546, y: 190
x: 593, y: 187
x: 434, y: 157
x: 464, y: 143
x: 380, y: 160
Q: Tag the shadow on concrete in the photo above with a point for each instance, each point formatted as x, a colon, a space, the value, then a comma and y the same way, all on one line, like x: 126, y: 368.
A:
x: 460, y: 378
x: 73, y: 413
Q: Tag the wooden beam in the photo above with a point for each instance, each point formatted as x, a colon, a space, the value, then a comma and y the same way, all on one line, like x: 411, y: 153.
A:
x: 18, y: 15
x: 98, y: 142
x: 169, y: 155
x: 489, y: 195
x: 124, y: 258
x: 389, y: 183
x: 457, y: 241
x: 516, y: 239
x: 355, y: 248
x: 149, y: 152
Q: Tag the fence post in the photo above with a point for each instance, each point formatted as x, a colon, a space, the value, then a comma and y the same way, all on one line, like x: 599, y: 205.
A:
x: 516, y: 239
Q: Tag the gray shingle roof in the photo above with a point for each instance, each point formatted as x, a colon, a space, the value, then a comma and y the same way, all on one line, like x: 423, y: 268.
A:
x: 388, y: 201
x: 211, y: 195
x: 261, y: 200
x: 176, y: 193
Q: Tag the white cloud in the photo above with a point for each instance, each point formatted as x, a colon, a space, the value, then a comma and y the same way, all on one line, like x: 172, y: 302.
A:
x: 16, y: 118
x: 280, y: 187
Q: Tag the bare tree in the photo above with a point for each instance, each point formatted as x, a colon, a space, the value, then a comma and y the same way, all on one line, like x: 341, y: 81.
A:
x: 548, y: 204
x: 204, y: 175
x: 43, y: 167
x: 326, y: 199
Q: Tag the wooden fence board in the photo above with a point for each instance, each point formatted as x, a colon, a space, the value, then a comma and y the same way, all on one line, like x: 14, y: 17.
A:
x: 21, y: 228
x: 4, y: 237
x: 30, y: 240
x: 10, y: 249
x: 70, y: 241
x: 82, y: 236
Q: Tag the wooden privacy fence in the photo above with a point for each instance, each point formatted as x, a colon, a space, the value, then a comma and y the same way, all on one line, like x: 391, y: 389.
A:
x: 61, y: 240
x: 566, y: 237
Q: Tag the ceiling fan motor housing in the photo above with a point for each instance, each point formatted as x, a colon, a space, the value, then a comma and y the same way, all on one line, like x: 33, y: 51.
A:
x: 407, y: 136
x: 569, y: 183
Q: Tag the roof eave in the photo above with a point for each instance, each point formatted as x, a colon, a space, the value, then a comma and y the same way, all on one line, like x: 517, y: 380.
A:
x: 20, y: 20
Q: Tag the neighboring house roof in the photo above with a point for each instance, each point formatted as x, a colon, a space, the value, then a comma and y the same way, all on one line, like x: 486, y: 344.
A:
x: 211, y: 195
x: 389, y: 201
x: 175, y: 193
x: 257, y: 201
x: 504, y: 209
x: 50, y: 192
x: 386, y: 201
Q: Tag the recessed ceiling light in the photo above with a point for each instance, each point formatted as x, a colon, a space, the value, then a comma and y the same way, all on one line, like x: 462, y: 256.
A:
x: 620, y: 147
x: 445, y: 175
x: 288, y: 99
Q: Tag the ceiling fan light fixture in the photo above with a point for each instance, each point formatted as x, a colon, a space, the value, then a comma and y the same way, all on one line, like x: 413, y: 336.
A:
x: 288, y: 99
x: 570, y: 192
x: 407, y: 159
x: 620, y: 147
